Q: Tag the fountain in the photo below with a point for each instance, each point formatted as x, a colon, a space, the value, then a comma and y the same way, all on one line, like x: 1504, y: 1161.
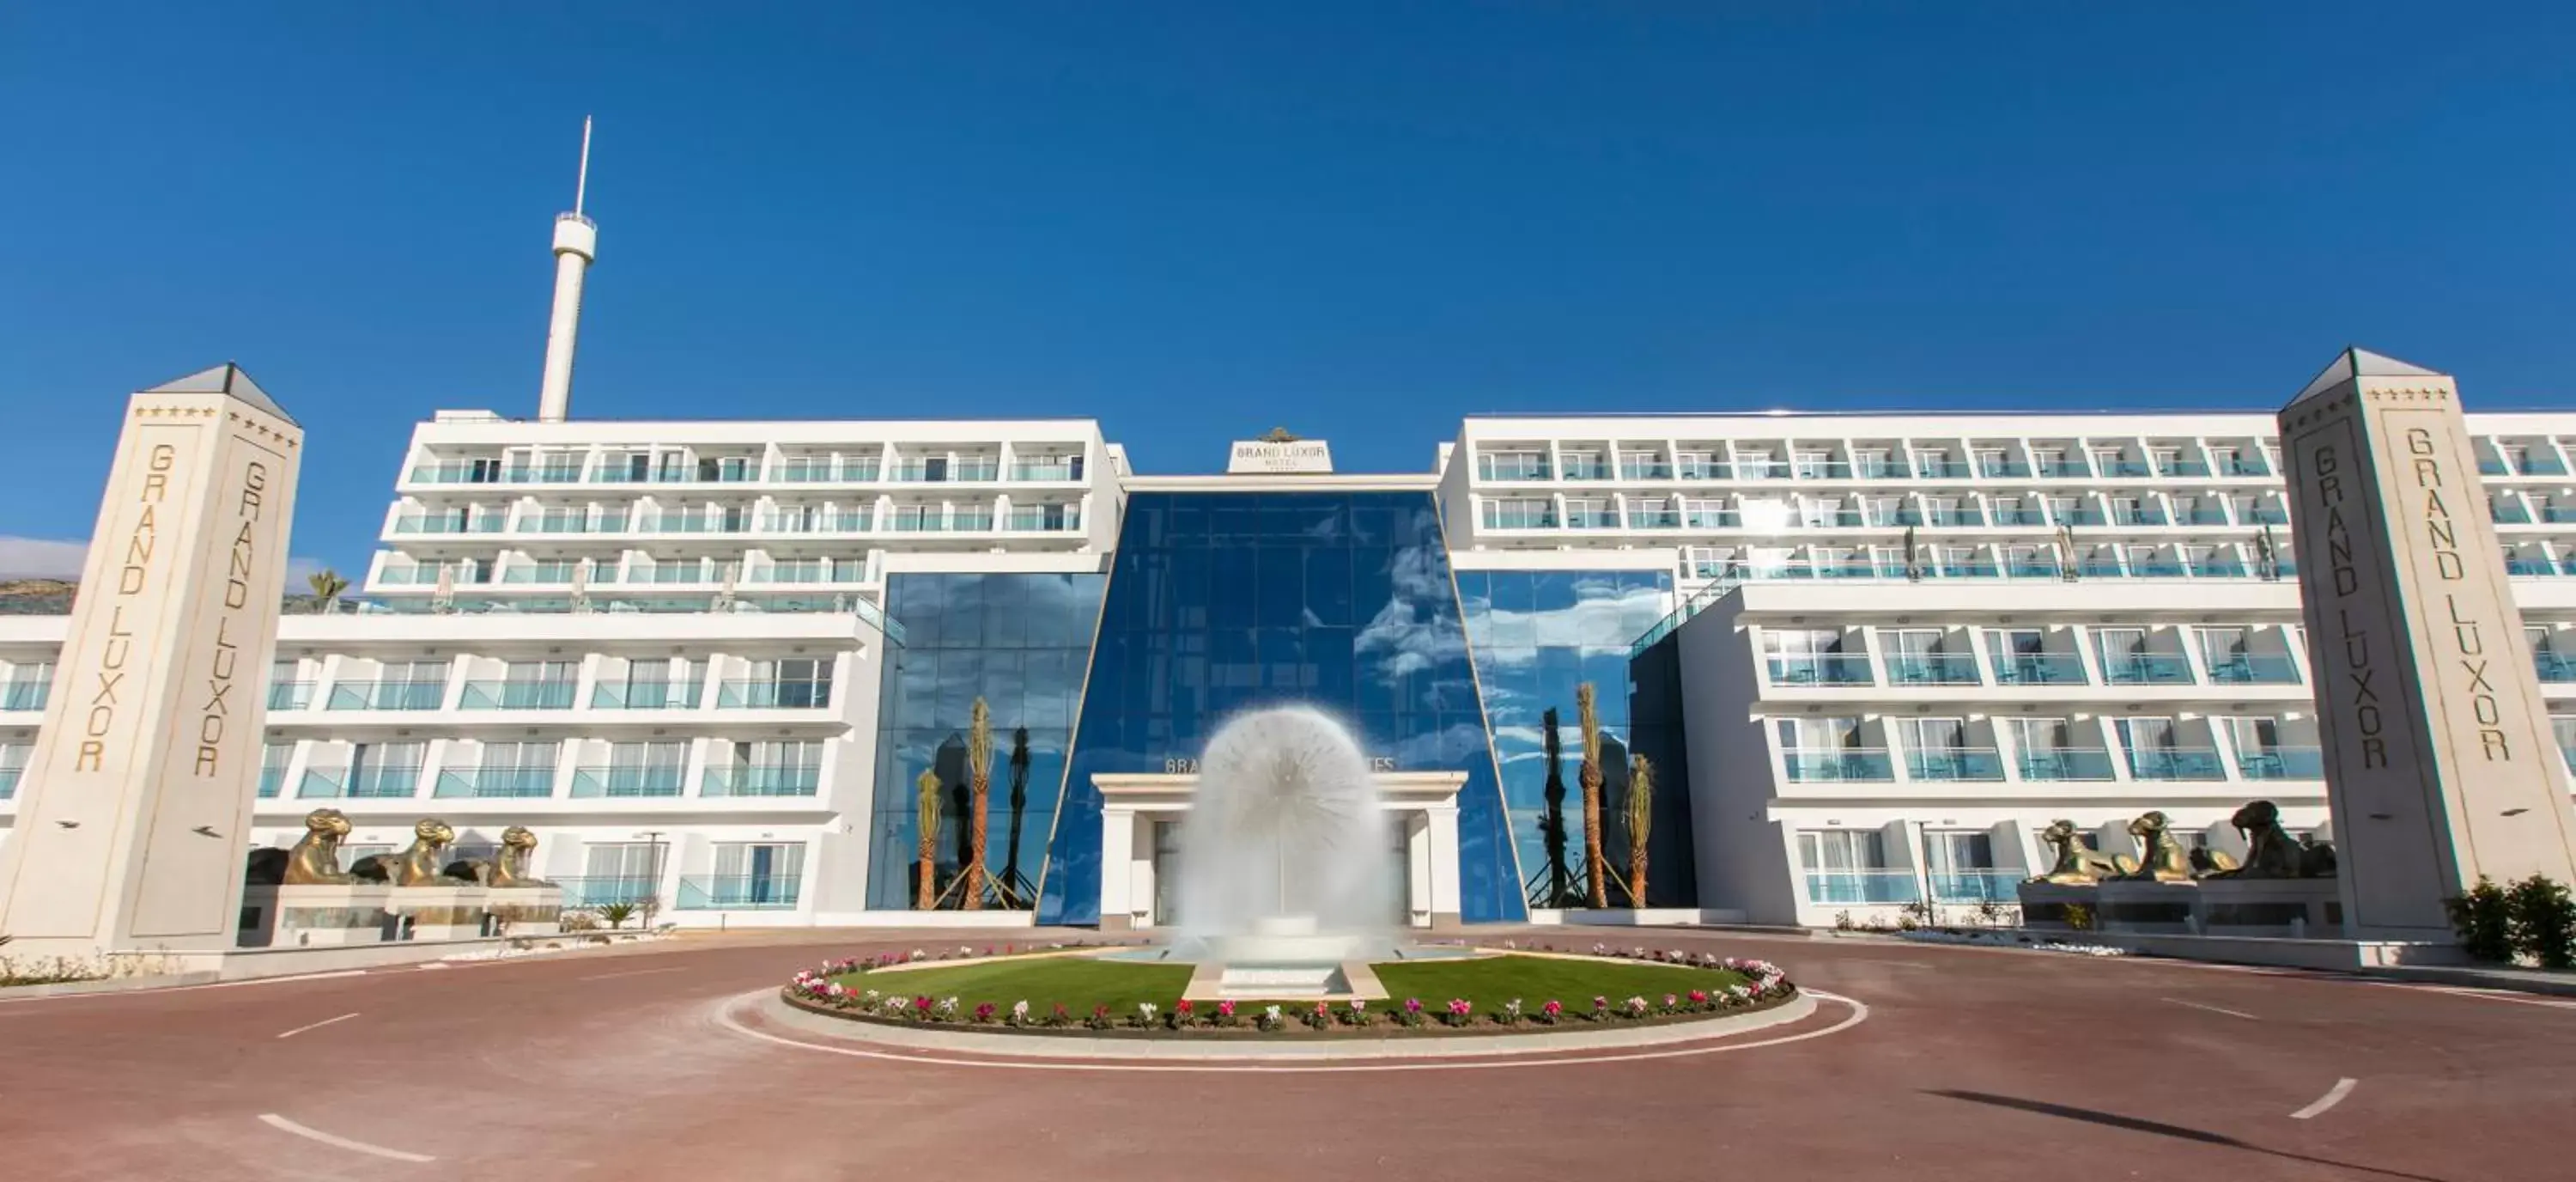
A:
x: 1284, y: 884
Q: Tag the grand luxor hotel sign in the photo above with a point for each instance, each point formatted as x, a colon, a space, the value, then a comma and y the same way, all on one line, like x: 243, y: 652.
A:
x: 2440, y: 766
x: 1278, y: 453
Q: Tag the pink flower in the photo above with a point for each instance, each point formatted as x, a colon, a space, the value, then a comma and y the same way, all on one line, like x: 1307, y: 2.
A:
x: 1600, y: 1003
x: 1670, y: 1001
x: 1225, y: 1008
x: 984, y: 1012
x: 1553, y: 1007
x: 1413, y: 1005
x: 1183, y: 1007
x: 1460, y: 1007
x: 922, y: 1004
x: 1699, y: 997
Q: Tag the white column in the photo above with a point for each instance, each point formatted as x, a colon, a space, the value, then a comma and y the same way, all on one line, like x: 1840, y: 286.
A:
x: 1117, y: 858
x: 1443, y: 829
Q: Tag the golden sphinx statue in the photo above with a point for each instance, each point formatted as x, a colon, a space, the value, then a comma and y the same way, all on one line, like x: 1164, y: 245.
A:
x: 2270, y: 851
x: 313, y: 861
x: 2078, y: 863
x: 2167, y: 860
x: 416, y: 866
x: 508, y: 868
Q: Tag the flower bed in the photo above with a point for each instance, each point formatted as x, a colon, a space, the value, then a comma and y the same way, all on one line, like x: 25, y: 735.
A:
x: 1699, y: 987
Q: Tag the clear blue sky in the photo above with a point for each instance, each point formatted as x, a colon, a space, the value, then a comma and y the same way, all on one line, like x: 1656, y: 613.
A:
x: 1361, y: 220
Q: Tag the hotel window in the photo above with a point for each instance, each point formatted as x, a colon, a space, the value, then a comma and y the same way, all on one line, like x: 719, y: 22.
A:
x: 647, y: 768
x: 1941, y: 511
x: 2048, y: 460
x: 1819, y: 512
x: 618, y: 872
x: 1706, y: 513
x: 1641, y: 465
x: 1932, y: 463
x: 1712, y: 562
x: 796, y: 683
x: 1701, y: 465
x: 755, y: 874
x: 2168, y: 460
x: 790, y: 767
x: 1960, y: 861
x: 1882, y: 510
x: 1519, y: 513
x: 273, y: 759
x: 1890, y: 561
x: 2563, y: 729
x: 1585, y: 465
x: 1812, y: 465
x: 1512, y: 465
x: 1590, y: 513
x: 2106, y: 460
x: 2041, y: 736
x: 1991, y: 461
x: 2128, y: 510
x: 1872, y: 464
x: 1753, y: 465
x: 1849, y: 866
x: 2061, y: 510
x: 384, y: 769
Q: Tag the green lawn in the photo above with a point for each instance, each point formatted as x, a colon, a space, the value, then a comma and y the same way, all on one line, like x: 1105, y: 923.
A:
x: 1080, y: 983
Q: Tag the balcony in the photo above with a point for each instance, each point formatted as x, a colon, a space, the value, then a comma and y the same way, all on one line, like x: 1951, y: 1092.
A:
x: 1819, y: 470
x: 1704, y: 470
x: 813, y: 471
x: 761, y: 780
x: 2282, y: 763
x: 1820, y: 669
x: 272, y: 780
x: 9, y: 777
x: 365, y: 783
x: 290, y: 695
x: 2002, y: 467
x: 1513, y: 468
x: 2246, y: 466
x: 1863, y: 886
x: 2553, y: 667
x: 2124, y: 468
x: 1930, y: 469
x: 2543, y: 464
x: 1960, y: 518
x: 1710, y: 519
x: 2146, y: 669
x: 573, y: 523
x: 1046, y: 473
x: 2021, y: 515
x: 2491, y: 466
x: 495, y: 782
x: 1041, y: 521
x: 449, y: 525
x: 1653, y: 470
x: 2139, y: 515
x: 1641, y: 518
x: 2066, y: 765
x: 962, y: 521
x: 2038, y: 669
x: 2254, y: 669
x: 2226, y: 567
x: 517, y: 695
x: 2080, y: 515
x: 2062, y: 469
x: 1591, y: 519
x: 2176, y: 763
x: 1837, y: 765
x: 1955, y: 764
x: 647, y: 696
x: 387, y: 695
x: 1965, y: 570
x: 1520, y: 519
x: 737, y: 892
x: 854, y: 522
x: 2202, y: 513
x: 2558, y: 514
x: 2034, y: 568
x: 2181, y: 467
x: 457, y: 472
x: 815, y: 694
x: 602, y: 890
x: 627, y: 781
x: 2530, y: 567
x: 1972, y: 886
x: 2270, y: 515
x: 693, y: 523
x: 1932, y: 669
x: 26, y: 695
x: 1578, y: 470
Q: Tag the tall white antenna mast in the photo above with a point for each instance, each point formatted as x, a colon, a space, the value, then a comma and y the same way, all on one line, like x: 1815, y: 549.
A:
x: 576, y: 244
x: 581, y: 187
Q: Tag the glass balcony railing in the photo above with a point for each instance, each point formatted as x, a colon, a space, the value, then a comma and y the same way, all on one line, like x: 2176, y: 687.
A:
x: 1863, y: 886
x: 372, y: 783
x: 387, y: 695
x: 2176, y: 763
x: 1963, y: 517
x: 449, y: 525
x: 2222, y: 567
x: 2254, y: 669
x: 2491, y: 466
x: 1820, y: 669
x: 1653, y: 518
x: 2553, y: 667
x: 457, y: 472
x: 1964, y: 570
x: 815, y: 523
x: 809, y: 471
x: 2062, y: 469
x: 2038, y: 669
x: 761, y: 780
x: 693, y: 523
x: 2508, y: 514
x: 2201, y: 514
x: 1517, y: 468
x: 2558, y: 514
x: 602, y: 890
x: 26, y: 695
x: 647, y: 696
x: 1520, y: 519
x: 2002, y: 467
x: 2124, y: 467
x: 741, y: 892
x: 2139, y: 515
x: 1710, y: 519
x: 2021, y: 515
x: 2064, y: 764
x: 1591, y: 519
x: 1932, y: 669
x: 1927, y: 468
x: 2542, y: 464
x: 2282, y: 763
x: 1963, y: 885
x: 2270, y: 515
x: 491, y: 782
x: 2530, y: 567
x: 290, y: 695
x: 1955, y: 764
x: 2034, y: 568
x: 1045, y: 472
x: 517, y: 695
x: 1881, y: 468
x: 623, y: 780
x: 1586, y: 471
x: 9, y: 777
x: 1041, y: 521
x: 1704, y: 470
x: 2146, y: 669
x: 1645, y: 471
x: 272, y: 780
x: 1837, y: 765
x: 774, y: 695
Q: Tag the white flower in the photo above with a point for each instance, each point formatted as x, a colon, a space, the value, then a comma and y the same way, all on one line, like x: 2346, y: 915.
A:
x: 918, y: 954
x: 870, y: 997
x: 1147, y: 1009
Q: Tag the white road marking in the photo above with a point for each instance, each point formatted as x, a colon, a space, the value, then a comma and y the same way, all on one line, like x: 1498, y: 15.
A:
x: 2520, y: 999
x: 2212, y: 1009
x: 636, y: 973
x: 276, y: 980
x: 275, y: 1121
x: 2333, y: 1096
x: 724, y: 1018
x: 316, y: 1026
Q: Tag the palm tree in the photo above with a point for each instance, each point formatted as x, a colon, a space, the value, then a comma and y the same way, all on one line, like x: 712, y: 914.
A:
x: 929, y: 818
x: 1016, y: 890
x: 1588, y: 717
x: 1553, y: 828
x: 327, y: 586
x: 1641, y: 819
x: 979, y: 777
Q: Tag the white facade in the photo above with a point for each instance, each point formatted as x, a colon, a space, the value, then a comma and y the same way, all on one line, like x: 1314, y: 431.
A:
x: 1909, y: 643
x: 658, y: 644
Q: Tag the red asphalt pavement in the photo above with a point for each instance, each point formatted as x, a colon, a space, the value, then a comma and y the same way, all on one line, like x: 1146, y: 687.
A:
x: 1973, y: 1064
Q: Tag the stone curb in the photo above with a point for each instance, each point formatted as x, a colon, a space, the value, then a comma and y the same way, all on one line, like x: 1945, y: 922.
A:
x: 110, y: 985
x: 1288, y: 1049
x: 2516, y: 980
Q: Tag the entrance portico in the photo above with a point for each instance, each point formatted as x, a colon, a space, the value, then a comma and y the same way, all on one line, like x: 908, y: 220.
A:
x: 1133, y: 803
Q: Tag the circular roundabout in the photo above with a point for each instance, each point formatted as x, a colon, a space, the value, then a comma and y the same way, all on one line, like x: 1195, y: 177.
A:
x: 1424, y: 1006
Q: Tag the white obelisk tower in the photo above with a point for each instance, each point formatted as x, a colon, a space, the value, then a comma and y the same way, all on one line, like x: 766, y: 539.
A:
x: 2440, y: 766
x: 576, y: 244
x: 137, y: 808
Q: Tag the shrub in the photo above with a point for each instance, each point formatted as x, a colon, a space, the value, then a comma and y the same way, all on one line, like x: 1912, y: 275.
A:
x: 617, y: 913
x: 2483, y: 917
x: 1550, y: 1012
x: 1411, y: 1012
x: 2544, y: 922
x: 1359, y: 1014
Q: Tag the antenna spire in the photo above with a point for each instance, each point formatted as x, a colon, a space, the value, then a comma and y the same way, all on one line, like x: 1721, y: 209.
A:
x: 581, y: 187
